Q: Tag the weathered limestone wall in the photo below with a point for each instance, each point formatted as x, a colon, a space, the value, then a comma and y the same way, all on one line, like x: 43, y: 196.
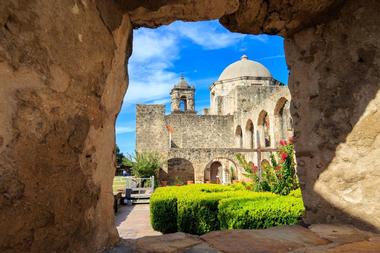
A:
x: 199, y: 158
x: 265, y: 99
x: 151, y: 131
x: 201, y: 131
x: 62, y: 82
x: 335, y: 83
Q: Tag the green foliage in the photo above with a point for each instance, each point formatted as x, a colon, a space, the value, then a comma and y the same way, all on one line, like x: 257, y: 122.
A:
x: 145, y: 164
x: 295, y: 193
x: 120, y: 157
x: 233, y: 174
x: 264, y: 212
x: 192, y: 208
x: 278, y: 176
x: 163, y: 210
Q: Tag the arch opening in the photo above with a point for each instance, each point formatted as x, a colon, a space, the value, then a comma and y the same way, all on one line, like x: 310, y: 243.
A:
x: 183, y: 104
x: 263, y: 124
x: 283, y: 120
x: 249, y: 130
x: 180, y: 171
x: 239, y: 137
x: 221, y: 170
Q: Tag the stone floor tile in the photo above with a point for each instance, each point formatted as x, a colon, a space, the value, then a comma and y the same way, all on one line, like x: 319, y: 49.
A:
x: 340, y: 233
x: 279, y: 239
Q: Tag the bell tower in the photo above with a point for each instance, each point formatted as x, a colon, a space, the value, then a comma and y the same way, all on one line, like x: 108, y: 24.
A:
x: 182, y: 97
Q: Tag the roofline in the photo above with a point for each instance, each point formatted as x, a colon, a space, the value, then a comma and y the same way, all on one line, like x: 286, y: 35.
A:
x: 245, y: 78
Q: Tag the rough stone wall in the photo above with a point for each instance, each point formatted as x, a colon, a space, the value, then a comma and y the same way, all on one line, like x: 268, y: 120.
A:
x: 151, y: 131
x: 180, y: 171
x: 263, y: 99
x: 201, y: 131
x: 62, y: 75
x: 335, y: 83
x: 201, y: 157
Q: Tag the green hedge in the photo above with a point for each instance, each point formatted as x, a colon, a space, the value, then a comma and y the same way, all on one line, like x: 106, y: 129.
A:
x: 248, y: 213
x: 296, y: 193
x: 193, y: 208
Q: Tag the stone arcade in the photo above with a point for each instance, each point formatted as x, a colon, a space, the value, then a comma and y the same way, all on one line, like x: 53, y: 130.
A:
x: 248, y: 114
x: 63, y: 78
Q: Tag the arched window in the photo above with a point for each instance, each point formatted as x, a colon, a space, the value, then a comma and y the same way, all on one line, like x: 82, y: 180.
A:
x: 239, y: 137
x: 264, y: 129
x: 249, y: 134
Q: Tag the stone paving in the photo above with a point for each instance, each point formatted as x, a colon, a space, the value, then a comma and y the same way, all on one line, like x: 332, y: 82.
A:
x: 137, y: 236
x: 318, y: 238
x: 133, y: 221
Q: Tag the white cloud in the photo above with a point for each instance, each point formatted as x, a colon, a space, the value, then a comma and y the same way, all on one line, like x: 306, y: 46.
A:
x: 206, y: 34
x: 124, y: 130
x: 155, y: 51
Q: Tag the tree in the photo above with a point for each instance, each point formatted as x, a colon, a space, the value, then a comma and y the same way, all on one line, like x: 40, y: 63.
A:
x: 120, y: 157
x: 144, y: 164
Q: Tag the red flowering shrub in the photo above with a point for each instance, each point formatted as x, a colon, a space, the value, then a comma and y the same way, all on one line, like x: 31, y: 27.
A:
x: 279, y: 176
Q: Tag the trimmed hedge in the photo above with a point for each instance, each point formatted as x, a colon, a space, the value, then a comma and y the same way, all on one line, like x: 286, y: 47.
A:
x: 296, y: 193
x: 193, y: 208
x: 248, y: 213
x: 201, y: 208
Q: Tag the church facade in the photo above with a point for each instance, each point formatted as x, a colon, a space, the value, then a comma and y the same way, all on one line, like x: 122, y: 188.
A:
x: 249, y: 114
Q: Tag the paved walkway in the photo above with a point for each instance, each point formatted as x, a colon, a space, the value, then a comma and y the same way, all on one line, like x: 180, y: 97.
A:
x: 318, y: 238
x: 133, y: 222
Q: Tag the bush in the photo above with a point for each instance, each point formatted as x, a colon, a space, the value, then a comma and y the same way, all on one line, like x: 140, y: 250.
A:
x: 144, y: 164
x: 296, y: 193
x: 278, y: 176
x: 264, y: 212
x: 163, y: 210
x: 193, y: 208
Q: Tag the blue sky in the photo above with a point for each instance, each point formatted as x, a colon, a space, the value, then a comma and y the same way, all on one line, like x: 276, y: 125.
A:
x: 200, y: 51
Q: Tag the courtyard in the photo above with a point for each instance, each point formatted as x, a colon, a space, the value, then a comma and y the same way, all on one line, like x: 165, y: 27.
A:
x: 70, y: 68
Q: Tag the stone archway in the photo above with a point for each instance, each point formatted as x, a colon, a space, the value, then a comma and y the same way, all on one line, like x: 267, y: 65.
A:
x: 239, y: 137
x: 263, y: 125
x: 180, y: 171
x: 221, y: 170
x: 283, y: 120
x: 62, y: 70
x: 249, y: 130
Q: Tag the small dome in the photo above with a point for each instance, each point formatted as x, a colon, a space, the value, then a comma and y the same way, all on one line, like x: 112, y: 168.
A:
x: 244, y: 67
x: 182, y: 83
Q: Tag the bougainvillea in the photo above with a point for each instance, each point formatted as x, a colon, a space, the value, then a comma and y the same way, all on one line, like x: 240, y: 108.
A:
x: 279, y: 175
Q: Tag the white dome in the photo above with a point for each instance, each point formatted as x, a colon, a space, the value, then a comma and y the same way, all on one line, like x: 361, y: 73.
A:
x: 244, y: 67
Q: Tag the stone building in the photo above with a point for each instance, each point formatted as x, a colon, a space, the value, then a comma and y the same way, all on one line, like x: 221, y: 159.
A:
x: 248, y: 114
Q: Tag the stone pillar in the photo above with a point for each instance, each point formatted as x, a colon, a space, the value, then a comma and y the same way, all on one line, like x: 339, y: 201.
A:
x: 62, y: 75
x: 175, y: 100
x: 335, y: 83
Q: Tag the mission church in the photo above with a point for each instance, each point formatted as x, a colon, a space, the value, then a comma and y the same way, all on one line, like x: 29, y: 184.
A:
x: 249, y: 115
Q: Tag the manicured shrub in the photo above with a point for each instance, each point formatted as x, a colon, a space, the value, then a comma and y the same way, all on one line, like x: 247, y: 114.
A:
x: 198, y: 212
x: 193, y: 208
x: 296, y: 193
x: 163, y: 210
x: 254, y: 213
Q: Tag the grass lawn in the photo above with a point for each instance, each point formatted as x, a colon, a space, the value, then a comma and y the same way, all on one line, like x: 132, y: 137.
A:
x: 119, y: 183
